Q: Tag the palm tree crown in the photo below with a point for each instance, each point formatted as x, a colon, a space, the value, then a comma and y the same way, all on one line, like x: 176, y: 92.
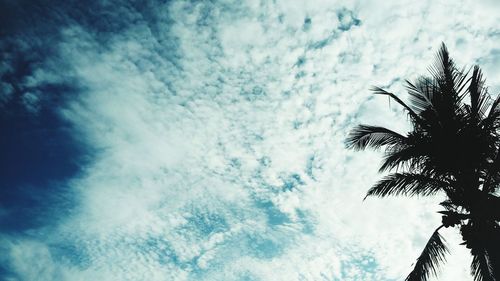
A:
x: 453, y: 148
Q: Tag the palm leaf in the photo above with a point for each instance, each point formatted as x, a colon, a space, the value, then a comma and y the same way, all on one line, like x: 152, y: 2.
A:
x: 492, y: 120
x: 477, y: 93
x: 449, y: 205
x: 491, y: 173
x: 399, y: 156
x: 451, y: 82
x: 364, y: 136
x: 406, y: 184
x: 461, y: 82
x: 380, y: 91
x: 430, y: 258
x: 444, y: 71
x: 481, y: 267
x: 493, y: 108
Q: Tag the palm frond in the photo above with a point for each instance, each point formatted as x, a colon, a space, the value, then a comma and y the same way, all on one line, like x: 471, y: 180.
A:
x: 363, y: 136
x: 380, y: 91
x: 491, y: 174
x: 481, y: 267
x: 407, y: 184
x: 492, y: 121
x: 477, y: 93
x: 453, y: 218
x: 430, y: 258
x: 409, y: 155
x: 493, y: 211
x: 494, y: 105
x: 422, y: 94
x: 461, y: 81
x: 451, y: 81
x: 444, y: 70
x: 449, y: 205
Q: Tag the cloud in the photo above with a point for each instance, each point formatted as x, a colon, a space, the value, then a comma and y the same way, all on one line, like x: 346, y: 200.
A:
x: 217, y: 137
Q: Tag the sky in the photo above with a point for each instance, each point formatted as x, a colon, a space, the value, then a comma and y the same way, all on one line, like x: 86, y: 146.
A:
x: 205, y: 140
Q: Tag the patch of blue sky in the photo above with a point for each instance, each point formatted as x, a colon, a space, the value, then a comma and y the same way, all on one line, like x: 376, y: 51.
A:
x: 306, y: 221
x: 292, y: 182
x: 364, y: 267
x: 347, y: 19
x: 300, y: 74
x: 349, y: 57
x: 253, y: 94
x: 38, y: 154
x: 264, y: 248
x: 247, y: 276
x: 274, y: 216
x: 205, y: 222
x: 311, y: 165
x: 70, y: 254
x: 307, y: 24
x: 301, y: 61
x: 324, y: 42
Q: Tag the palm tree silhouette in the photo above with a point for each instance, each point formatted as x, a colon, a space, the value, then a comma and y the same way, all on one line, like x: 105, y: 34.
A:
x: 453, y: 148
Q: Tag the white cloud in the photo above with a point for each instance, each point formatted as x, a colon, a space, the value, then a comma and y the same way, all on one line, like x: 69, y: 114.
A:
x: 31, y: 101
x: 223, y: 158
x: 6, y: 91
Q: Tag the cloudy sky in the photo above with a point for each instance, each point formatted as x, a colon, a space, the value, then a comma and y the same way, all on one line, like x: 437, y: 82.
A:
x: 204, y: 140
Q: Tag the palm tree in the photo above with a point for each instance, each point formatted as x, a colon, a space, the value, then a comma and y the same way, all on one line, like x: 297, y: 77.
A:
x: 453, y: 148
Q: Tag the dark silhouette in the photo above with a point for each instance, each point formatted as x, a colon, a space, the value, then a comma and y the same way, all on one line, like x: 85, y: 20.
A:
x: 453, y: 148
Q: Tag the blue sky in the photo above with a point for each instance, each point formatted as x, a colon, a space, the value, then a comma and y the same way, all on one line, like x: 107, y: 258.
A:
x: 204, y: 140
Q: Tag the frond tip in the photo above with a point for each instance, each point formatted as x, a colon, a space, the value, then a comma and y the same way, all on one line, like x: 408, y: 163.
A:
x: 380, y: 91
x: 430, y: 258
x: 408, y: 184
x: 363, y: 136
